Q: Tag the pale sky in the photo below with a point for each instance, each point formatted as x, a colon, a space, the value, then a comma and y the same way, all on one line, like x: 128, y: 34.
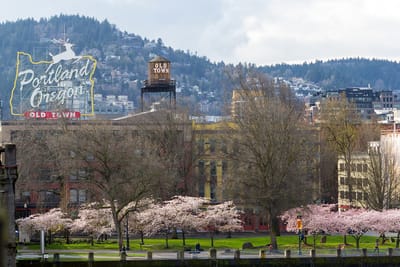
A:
x: 263, y: 32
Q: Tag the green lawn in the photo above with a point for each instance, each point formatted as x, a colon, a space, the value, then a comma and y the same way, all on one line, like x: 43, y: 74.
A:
x: 220, y: 242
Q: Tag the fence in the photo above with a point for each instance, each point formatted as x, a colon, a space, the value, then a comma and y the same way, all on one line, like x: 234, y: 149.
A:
x: 64, y: 258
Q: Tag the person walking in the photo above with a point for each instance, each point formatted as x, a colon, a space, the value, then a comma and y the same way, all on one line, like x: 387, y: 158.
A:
x: 376, y: 250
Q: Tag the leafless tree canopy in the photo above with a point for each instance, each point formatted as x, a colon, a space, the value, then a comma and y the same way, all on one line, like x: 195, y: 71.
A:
x: 340, y: 124
x: 383, y: 180
x: 271, y: 147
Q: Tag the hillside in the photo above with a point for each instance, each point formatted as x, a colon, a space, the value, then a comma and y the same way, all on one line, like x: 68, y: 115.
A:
x: 202, y: 86
x: 335, y: 74
x: 122, y: 59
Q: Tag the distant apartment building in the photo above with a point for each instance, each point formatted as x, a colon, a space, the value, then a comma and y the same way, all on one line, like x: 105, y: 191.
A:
x: 361, y: 97
x: 211, y: 167
x: 112, y: 105
x: 361, y: 171
x: 358, y: 180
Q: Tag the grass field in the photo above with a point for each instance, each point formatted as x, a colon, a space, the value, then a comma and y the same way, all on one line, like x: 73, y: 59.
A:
x: 220, y: 242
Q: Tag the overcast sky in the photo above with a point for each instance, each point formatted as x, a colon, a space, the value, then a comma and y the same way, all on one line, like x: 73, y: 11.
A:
x: 263, y: 32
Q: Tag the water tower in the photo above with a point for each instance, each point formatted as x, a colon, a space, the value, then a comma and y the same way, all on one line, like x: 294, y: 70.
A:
x: 159, y: 79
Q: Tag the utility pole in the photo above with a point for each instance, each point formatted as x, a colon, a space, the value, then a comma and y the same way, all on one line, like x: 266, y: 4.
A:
x: 8, y: 178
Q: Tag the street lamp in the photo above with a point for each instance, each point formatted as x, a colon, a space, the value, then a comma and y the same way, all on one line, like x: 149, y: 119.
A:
x: 299, y: 225
x: 127, y: 231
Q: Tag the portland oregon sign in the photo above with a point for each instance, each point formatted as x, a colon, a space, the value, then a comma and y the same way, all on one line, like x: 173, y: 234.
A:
x: 58, y: 88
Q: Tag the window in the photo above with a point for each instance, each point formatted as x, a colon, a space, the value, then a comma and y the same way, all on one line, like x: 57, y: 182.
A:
x: 213, y: 188
x: 359, y: 167
x: 212, y: 145
x: 365, y: 167
x: 79, y: 174
x: 201, y: 186
x: 341, y: 167
x: 201, y: 168
x: 82, y: 173
x: 342, y: 180
x: 26, y: 196
x: 224, y: 168
x: 73, y: 196
x: 224, y: 147
x: 73, y: 176
x: 49, y: 199
x: 82, y: 195
x: 200, y: 146
x: 353, y: 167
x: 77, y: 196
x: 213, y: 168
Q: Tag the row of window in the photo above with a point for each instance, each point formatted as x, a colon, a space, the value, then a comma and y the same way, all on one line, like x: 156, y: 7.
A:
x: 210, y: 146
x: 47, y: 175
x: 213, y: 168
x: 75, y: 196
x: 357, y: 182
x: 355, y: 167
x: 360, y: 196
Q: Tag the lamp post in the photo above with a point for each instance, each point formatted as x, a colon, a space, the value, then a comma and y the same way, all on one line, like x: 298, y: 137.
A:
x: 299, y: 225
x: 127, y: 231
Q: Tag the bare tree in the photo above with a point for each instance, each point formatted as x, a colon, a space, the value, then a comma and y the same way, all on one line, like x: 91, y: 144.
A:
x: 271, y: 150
x: 383, y: 179
x: 174, y: 145
x: 41, y: 160
x: 340, y: 125
x: 121, y: 162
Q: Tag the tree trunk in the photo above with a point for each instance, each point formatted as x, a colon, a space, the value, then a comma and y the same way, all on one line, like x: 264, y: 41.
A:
x: 274, y: 230
x: 142, y: 237
x: 120, y: 236
x: 66, y: 232
x: 212, y: 239
x: 183, y: 238
x: 166, y: 240
x: 345, y: 239
x: 118, y: 227
x: 174, y: 234
x: 357, y: 238
x: 49, y: 240
x: 397, y: 240
x: 314, y: 240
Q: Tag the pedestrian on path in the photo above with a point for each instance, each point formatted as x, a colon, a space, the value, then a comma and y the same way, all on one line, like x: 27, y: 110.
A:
x: 376, y: 250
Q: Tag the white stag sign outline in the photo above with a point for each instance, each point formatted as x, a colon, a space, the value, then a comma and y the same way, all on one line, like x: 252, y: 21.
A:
x: 68, y: 54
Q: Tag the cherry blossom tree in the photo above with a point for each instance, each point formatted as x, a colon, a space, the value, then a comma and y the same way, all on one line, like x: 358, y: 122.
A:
x: 93, y: 219
x: 164, y: 221
x: 354, y: 222
x: 187, y: 210
x: 224, y: 217
x: 181, y: 212
x: 27, y: 224
x: 326, y: 219
x: 51, y: 222
x: 387, y: 221
x: 139, y: 221
x: 316, y: 219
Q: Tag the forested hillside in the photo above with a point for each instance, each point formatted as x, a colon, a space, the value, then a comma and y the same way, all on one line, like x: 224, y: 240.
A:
x: 122, y: 57
x: 334, y: 74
